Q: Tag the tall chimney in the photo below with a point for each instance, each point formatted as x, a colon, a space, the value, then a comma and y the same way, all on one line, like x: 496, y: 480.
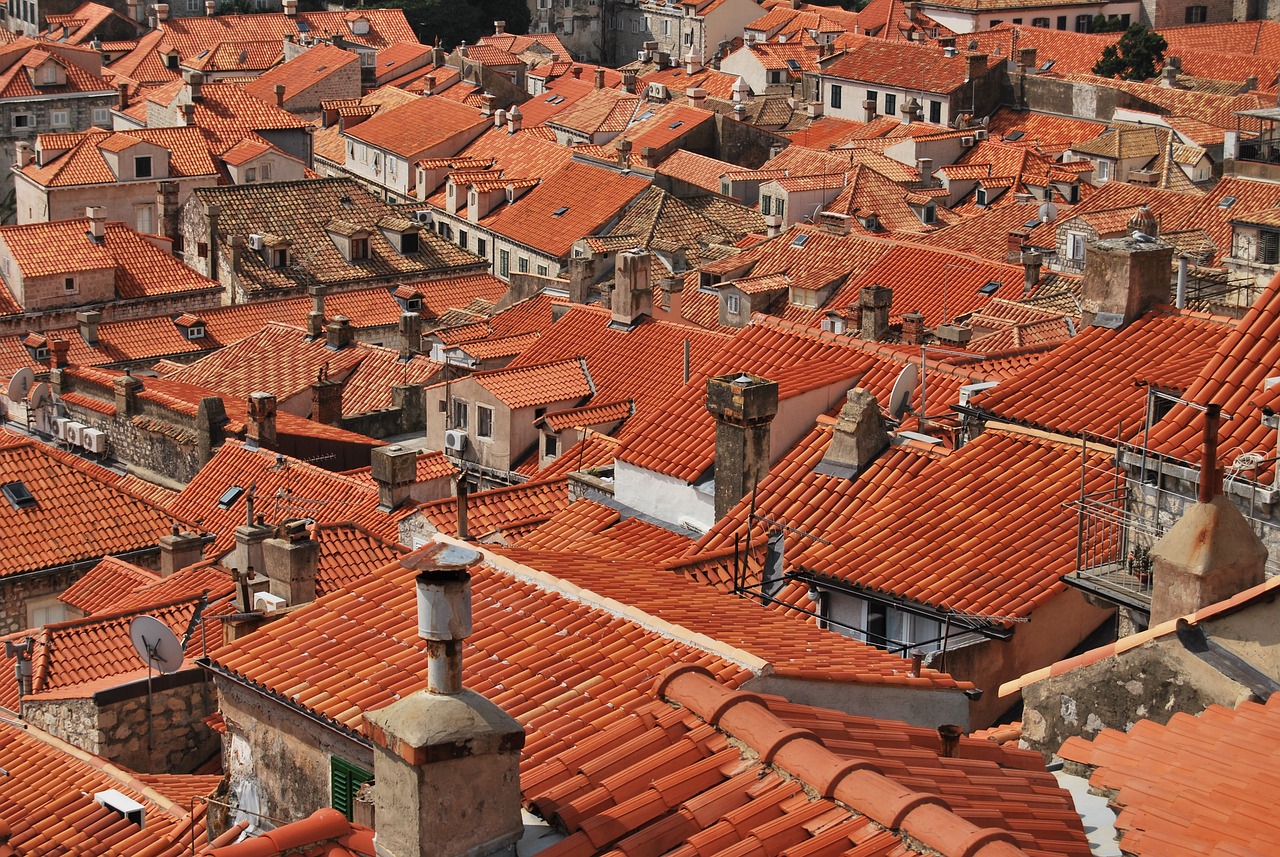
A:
x: 315, y: 318
x: 59, y: 353
x: 278, y: 89
x: 291, y: 8
x: 1212, y: 552
x: 88, y: 321
x: 599, y: 77
x: 744, y: 407
x: 162, y: 12
x: 515, y: 119
x: 395, y: 470
x: 977, y: 66
x: 179, y: 550
x: 290, y: 561
x: 247, y: 554
x: 338, y: 333
x: 410, y: 335
x: 1123, y: 277
x: 195, y: 83
x: 623, y: 147
x: 22, y: 149
x: 127, y: 389
x: 859, y: 436
x: 875, y: 302
x: 446, y: 760
x: 1031, y: 265
x: 632, y: 295
x: 499, y: 27
x: 1013, y: 250
x: 326, y: 400
x: 97, y: 223
x: 262, y: 420
x: 122, y: 95
x: 629, y: 81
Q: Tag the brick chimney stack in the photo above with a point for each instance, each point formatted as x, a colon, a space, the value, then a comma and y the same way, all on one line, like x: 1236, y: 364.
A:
x: 874, y: 303
x: 262, y: 420
x: 326, y: 400
x: 1123, y: 277
x: 127, y: 389
x: 179, y: 550
x: 912, y: 328
x: 410, y: 335
x: 339, y: 333
x: 632, y: 294
x: 446, y: 760
x: 395, y: 470
x: 315, y: 318
x: 744, y: 407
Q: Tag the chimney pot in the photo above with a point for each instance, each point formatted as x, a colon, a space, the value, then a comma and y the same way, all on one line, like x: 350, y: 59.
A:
x: 97, y: 223
x: 950, y: 735
x: 499, y: 27
x: 339, y: 333
x: 913, y: 328
x: 278, y: 89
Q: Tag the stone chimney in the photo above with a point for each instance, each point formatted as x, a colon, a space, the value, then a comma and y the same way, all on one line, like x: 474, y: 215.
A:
x: 629, y: 81
x: 499, y: 118
x: 744, y: 407
x: 262, y: 420
x: 315, y: 318
x: 162, y: 12
x: 693, y: 61
x: 859, y: 436
x: 977, y: 67
x: 179, y: 550
x: 1211, y: 553
x: 88, y: 321
x: 278, y: 89
x: 741, y: 92
x: 582, y: 273
x: 1031, y: 265
x: 122, y: 95
x: 925, y: 167
x: 97, y: 223
x: 599, y: 82
x: 167, y: 210
x: 135, y: 8
x: 395, y: 469
x: 487, y: 103
x: 515, y: 119
x: 326, y: 400
x: 874, y: 301
x: 632, y: 296
x: 211, y: 7
x: 249, y: 538
x: 127, y: 389
x: 623, y: 147
x: 1123, y: 277
x: 697, y: 97
x: 290, y: 561
x: 410, y: 335
x: 338, y: 333
x: 446, y: 760
x: 1027, y: 60
x: 1017, y: 237
x: 195, y: 84
x: 188, y: 114
x: 913, y: 328
x: 499, y: 27
x: 59, y: 353
x: 22, y: 149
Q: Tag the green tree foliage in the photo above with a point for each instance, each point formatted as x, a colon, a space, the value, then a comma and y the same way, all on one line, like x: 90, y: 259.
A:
x: 1135, y: 57
x: 454, y: 22
x: 1104, y: 24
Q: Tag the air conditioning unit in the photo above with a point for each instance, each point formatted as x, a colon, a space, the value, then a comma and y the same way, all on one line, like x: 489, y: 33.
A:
x: 75, y: 433
x: 966, y: 140
x: 455, y: 440
x: 95, y: 440
x: 658, y: 90
x: 422, y: 215
x: 980, y: 134
x: 968, y: 391
x: 255, y: 241
x: 125, y: 806
x: 268, y: 603
x: 60, y: 428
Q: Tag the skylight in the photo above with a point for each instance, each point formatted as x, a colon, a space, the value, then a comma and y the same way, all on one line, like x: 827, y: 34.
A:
x: 1015, y: 136
x: 1227, y: 202
x: 800, y: 240
x: 1047, y: 65
x: 675, y: 125
x: 18, y: 495
x: 989, y: 287
x: 793, y: 65
x: 559, y: 211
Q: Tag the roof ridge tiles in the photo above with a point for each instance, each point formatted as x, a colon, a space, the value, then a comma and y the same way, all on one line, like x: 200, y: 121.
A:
x: 573, y: 592
x: 858, y: 785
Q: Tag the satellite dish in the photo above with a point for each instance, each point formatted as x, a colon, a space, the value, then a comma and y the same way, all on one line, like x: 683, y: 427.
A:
x: 41, y: 395
x: 156, y: 644
x: 1048, y: 212
x: 20, y: 384
x: 903, y: 387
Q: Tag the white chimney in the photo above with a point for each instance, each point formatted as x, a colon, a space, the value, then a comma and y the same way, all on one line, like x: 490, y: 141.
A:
x: 515, y: 119
x: 162, y: 11
x: 97, y: 223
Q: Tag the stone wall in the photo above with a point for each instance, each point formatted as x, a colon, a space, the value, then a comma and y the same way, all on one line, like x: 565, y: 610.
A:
x: 16, y: 591
x: 279, y: 755
x: 115, y: 724
x: 113, y: 310
x: 742, y: 143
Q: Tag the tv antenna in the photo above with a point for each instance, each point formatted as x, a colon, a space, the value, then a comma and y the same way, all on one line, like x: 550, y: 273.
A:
x: 159, y: 649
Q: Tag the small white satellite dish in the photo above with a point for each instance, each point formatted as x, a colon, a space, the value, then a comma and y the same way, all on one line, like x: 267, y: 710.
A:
x: 903, y: 388
x: 41, y: 395
x: 156, y: 644
x: 20, y: 384
x: 1048, y: 212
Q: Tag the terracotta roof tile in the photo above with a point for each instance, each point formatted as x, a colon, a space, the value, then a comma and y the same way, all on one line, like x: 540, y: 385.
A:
x: 141, y: 269
x: 299, y: 74
x: 79, y: 513
x: 406, y: 131
x: 99, y: 589
x: 879, y: 61
x: 1091, y: 383
x: 508, y: 512
x: 528, y: 385
x: 226, y: 113
x: 1152, y: 769
x: 82, y: 162
x: 191, y: 35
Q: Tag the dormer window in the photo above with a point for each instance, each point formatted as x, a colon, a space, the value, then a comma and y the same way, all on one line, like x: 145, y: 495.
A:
x: 41, y: 353
x: 280, y: 257
x: 359, y: 26
x: 142, y: 167
x: 413, y: 304
x: 191, y: 326
x: 196, y: 331
x: 359, y: 249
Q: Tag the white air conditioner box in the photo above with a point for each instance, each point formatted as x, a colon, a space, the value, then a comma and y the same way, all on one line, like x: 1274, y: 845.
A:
x: 75, y: 433
x: 60, y: 425
x: 455, y: 440
x: 268, y: 603
x: 255, y: 241
x: 95, y: 440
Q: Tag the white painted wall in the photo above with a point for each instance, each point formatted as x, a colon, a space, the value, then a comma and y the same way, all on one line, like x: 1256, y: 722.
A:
x: 666, y: 498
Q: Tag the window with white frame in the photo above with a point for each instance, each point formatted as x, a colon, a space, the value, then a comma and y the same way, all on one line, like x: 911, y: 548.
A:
x: 60, y: 118
x: 101, y: 116
x: 732, y: 304
x: 1075, y: 246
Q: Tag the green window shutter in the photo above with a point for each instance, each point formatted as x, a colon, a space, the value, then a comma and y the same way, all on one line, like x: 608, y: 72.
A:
x: 345, y: 779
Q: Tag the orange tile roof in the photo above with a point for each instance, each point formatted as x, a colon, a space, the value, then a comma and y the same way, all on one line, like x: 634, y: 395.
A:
x: 101, y: 586
x: 529, y: 385
x: 923, y: 68
x: 418, y: 125
x: 141, y: 268
x: 23, y: 56
x: 694, y: 169
x: 299, y: 74
x: 723, y: 772
x: 79, y: 513
x: 588, y: 528
x: 592, y: 196
x: 1190, y: 785
x: 601, y: 111
x: 226, y: 113
x: 1050, y: 132
x: 938, y: 521
x: 191, y: 35
x: 791, y: 648
x: 83, y: 163
x: 50, y: 806
x: 718, y: 84
x: 1091, y: 383
x: 297, y: 488
x: 324, y: 833
x: 590, y: 415
x: 348, y: 552
x: 508, y: 512
x: 564, y: 668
